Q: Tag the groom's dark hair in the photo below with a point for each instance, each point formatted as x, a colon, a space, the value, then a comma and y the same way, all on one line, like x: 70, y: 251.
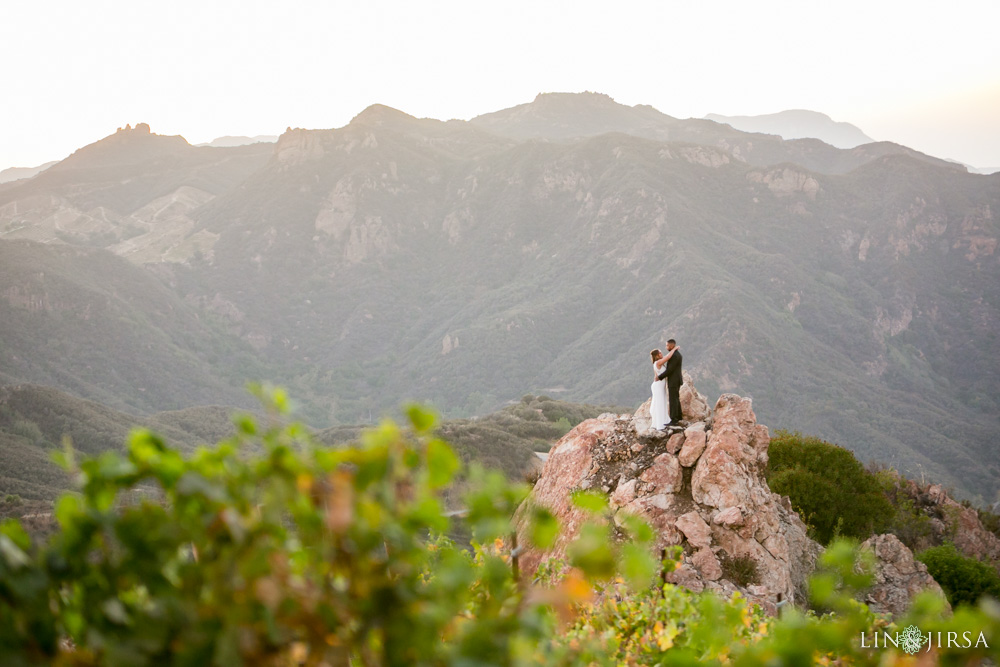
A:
x: 672, y: 341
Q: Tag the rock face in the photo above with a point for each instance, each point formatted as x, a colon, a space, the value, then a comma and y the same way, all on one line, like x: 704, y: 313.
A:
x: 960, y: 524
x: 949, y: 521
x: 694, y: 405
x: 702, y: 488
x: 898, y: 577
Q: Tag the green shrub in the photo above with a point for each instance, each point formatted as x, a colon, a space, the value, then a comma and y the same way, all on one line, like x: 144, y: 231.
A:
x: 909, y: 523
x: 990, y: 521
x: 963, y: 579
x: 828, y: 486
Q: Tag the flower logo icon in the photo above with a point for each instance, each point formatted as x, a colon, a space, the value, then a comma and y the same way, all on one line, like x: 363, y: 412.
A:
x: 911, y: 640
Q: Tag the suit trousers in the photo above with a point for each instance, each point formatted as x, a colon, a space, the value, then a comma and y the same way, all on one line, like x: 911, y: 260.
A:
x: 674, y: 396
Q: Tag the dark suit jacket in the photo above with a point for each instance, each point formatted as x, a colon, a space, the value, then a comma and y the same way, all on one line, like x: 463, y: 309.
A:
x: 672, y: 369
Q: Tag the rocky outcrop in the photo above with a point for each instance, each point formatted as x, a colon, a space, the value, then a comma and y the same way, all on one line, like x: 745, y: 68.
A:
x: 950, y: 521
x: 897, y: 576
x: 694, y: 404
x: 961, y: 525
x: 701, y: 488
x: 297, y: 145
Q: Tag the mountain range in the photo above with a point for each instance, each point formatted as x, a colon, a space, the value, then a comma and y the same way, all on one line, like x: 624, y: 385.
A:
x: 799, y: 124
x: 18, y: 173
x: 545, y: 248
x: 232, y: 141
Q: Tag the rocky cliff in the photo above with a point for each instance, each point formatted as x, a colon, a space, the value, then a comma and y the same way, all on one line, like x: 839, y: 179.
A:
x: 703, y: 488
x: 897, y: 577
x: 950, y: 521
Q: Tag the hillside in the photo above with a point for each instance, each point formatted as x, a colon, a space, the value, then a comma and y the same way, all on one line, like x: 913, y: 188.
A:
x: 34, y: 419
x: 18, y: 173
x: 130, y: 192
x: 548, y: 248
x: 95, y: 325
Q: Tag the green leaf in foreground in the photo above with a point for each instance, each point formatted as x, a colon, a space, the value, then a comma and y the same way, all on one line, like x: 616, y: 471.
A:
x: 589, y: 501
x: 544, y: 528
x: 442, y: 463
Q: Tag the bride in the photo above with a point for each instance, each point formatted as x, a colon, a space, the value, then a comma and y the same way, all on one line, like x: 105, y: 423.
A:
x: 658, y: 406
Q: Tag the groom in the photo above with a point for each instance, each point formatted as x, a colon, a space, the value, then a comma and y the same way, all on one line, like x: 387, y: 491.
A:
x: 675, y: 378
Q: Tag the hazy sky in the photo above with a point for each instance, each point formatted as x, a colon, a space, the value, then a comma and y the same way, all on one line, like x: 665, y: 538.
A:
x: 924, y: 74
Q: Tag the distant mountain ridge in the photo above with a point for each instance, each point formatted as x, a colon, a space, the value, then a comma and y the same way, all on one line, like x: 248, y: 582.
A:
x: 546, y: 248
x: 18, y: 173
x: 232, y: 141
x: 799, y: 124
x: 568, y: 116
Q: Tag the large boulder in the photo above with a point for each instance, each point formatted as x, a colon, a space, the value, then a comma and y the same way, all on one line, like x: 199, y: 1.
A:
x: 702, y: 488
x: 897, y: 576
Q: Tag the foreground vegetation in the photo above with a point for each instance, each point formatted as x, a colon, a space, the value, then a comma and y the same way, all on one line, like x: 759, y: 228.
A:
x: 268, y: 549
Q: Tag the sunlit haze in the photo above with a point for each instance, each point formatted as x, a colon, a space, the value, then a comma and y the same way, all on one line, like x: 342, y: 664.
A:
x: 922, y: 74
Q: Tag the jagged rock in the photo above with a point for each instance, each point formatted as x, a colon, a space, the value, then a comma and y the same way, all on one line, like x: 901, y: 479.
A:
x: 949, y: 521
x: 625, y: 493
x: 665, y: 474
x: 718, y: 507
x: 695, y: 529
x: 642, y: 420
x: 898, y: 577
x: 736, y: 448
x: 694, y: 404
x: 962, y: 526
x: 731, y: 516
x: 707, y: 564
x: 688, y: 577
x: 694, y: 444
x: 567, y: 466
x: 675, y: 443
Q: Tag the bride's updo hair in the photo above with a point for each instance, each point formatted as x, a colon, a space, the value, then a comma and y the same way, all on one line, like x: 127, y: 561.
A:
x: 656, y: 354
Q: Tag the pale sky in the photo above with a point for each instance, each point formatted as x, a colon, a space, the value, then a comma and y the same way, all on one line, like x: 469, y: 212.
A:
x: 923, y: 74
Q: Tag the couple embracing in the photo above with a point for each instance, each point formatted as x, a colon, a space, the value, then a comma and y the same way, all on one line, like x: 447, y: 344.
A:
x: 667, y: 369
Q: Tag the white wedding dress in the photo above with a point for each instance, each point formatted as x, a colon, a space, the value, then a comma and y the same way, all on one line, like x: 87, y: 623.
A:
x: 658, y: 406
